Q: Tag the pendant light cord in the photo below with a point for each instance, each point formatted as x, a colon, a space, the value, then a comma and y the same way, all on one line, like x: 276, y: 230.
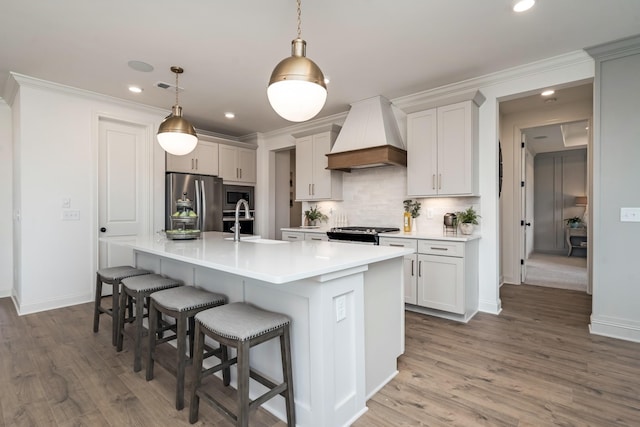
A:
x: 299, y: 19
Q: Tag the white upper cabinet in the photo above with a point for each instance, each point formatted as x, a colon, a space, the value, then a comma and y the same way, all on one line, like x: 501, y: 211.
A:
x: 442, y: 151
x: 202, y: 160
x: 313, y: 180
x: 237, y: 164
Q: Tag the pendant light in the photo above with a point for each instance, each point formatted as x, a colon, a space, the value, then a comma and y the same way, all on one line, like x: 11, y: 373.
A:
x: 297, y: 90
x: 176, y: 135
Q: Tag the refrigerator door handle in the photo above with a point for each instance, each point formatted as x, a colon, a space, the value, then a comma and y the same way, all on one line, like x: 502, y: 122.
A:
x: 198, y: 204
x: 203, y: 211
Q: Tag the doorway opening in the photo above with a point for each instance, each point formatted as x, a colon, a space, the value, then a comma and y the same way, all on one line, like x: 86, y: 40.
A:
x: 288, y: 212
x: 547, y: 170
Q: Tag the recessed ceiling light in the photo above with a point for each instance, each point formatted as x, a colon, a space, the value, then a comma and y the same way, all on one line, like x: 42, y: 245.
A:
x: 229, y: 115
x: 140, y: 66
x: 135, y: 89
x: 523, y: 5
x: 548, y: 92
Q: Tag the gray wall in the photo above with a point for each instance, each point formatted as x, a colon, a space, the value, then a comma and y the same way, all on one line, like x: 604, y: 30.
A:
x: 616, y: 174
x: 559, y: 178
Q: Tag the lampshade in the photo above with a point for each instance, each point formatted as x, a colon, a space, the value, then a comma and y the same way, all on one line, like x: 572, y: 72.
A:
x: 175, y: 134
x: 297, y: 90
x: 581, y: 201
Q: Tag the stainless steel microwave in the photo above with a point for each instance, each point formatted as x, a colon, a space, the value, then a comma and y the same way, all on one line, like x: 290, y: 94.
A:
x: 233, y: 193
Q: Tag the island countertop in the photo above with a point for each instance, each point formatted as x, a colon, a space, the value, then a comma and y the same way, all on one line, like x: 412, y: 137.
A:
x: 273, y: 261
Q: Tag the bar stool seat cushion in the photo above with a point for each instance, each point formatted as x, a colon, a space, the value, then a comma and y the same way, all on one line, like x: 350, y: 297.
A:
x: 149, y: 282
x: 121, y: 272
x: 240, y: 321
x: 186, y: 298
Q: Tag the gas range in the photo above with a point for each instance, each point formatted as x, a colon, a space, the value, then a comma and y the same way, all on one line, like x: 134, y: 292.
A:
x: 366, y: 235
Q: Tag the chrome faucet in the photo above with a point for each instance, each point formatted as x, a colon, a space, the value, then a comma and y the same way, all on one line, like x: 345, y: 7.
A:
x: 236, y: 225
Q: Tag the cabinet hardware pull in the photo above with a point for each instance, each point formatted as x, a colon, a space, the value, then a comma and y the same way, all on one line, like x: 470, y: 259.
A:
x: 419, y: 268
x: 240, y: 172
x: 293, y: 237
x: 316, y: 238
x: 313, y: 189
x: 309, y: 189
x: 439, y: 181
x: 192, y: 164
x: 396, y: 245
x: 412, y: 268
x: 196, y: 164
x: 433, y: 248
x: 433, y: 181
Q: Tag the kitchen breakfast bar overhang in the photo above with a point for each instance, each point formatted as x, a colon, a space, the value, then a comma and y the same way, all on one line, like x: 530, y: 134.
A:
x: 345, y: 302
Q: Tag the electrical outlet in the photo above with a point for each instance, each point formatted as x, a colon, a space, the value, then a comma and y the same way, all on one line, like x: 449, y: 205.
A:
x: 71, y: 215
x: 66, y: 202
x: 341, y: 307
x: 629, y: 214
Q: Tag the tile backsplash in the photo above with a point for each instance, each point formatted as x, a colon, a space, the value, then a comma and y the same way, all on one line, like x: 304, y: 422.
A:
x: 374, y: 196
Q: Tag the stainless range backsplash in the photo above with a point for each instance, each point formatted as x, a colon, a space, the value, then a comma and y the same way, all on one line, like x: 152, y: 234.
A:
x: 374, y: 196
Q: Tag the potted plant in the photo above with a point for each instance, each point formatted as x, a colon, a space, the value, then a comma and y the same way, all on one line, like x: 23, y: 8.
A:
x: 313, y: 215
x: 574, y: 222
x: 467, y: 219
x: 411, y: 209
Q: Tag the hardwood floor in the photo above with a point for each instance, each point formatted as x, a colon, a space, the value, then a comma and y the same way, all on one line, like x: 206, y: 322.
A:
x: 533, y: 365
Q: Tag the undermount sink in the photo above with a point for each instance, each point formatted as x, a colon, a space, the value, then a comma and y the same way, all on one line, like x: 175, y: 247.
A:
x: 257, y: 239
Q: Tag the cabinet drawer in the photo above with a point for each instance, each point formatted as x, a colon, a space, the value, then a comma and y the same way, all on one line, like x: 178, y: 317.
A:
x: 316, y: 237
x: 441, y: 247
x: 291, y: 235
x: 398, y: 242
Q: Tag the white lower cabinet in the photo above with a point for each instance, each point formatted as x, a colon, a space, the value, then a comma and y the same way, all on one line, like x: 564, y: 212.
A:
x: 441, y: 278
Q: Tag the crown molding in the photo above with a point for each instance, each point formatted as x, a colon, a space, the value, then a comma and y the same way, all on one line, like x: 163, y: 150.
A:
x: 456, y: 92
x: 17, y: 79
x: 615, y: 49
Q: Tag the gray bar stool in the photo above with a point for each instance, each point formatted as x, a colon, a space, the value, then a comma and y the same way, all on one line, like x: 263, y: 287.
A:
x: 242, y: 326
x: 112, y: 276
x: 139, y: 289
x: 182, y: 304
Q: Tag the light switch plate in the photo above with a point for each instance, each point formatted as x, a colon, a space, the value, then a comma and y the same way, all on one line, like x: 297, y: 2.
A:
x: 629, y: 214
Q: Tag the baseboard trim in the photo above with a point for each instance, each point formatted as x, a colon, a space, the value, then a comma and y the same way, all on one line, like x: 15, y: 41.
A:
x: 37, y: 307
x: 622, y: 329
x: 491, y: 307
x: 4, y: 293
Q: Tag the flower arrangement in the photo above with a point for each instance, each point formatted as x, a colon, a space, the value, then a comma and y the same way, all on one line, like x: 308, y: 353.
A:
x: 413, y: 207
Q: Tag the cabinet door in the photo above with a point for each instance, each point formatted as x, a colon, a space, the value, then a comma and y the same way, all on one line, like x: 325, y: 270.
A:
x: 321, y: 183
x: 410, y: 283
x: 455, y: 150
x: 304, y: 168
x: 206, y: 158
x: 292, y: 235
x: 227, y: 162
x: 422, y: 158
x: 441, y: 283
x: 246, y: 165
x: 184, y: 164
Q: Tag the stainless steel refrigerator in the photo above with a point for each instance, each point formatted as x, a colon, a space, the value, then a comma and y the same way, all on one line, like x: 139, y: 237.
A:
x: 204, y: 191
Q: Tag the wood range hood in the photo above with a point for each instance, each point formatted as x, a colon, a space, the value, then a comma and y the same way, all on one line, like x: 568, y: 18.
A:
x: 370, y: 137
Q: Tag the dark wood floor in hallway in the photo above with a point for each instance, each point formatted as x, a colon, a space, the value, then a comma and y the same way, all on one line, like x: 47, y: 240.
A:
x: 533, y: 365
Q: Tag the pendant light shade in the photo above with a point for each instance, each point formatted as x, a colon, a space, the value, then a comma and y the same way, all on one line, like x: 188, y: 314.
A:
x: 175, y: 134
x: 297, y: 90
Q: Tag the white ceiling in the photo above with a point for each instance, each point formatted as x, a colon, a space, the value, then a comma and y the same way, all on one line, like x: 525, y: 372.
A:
x: 229, y: 48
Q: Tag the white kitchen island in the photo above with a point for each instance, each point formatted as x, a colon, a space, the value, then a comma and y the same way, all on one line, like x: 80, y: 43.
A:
x: 345, y: 302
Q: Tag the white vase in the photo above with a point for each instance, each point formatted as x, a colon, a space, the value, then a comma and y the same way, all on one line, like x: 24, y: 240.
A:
x: 466, y: 227
x: 414, y: 226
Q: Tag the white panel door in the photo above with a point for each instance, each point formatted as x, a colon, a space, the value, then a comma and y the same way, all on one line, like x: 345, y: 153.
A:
x: 123, y: 187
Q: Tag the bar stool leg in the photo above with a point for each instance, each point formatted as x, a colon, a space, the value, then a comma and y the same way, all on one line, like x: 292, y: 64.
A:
x: 154, y: 324
x: 287, y: 373
x: 96, y: 310
x: 194, y: 404
x: 181, y: 362
x: 243, y: 384
x: 120, y: 321
x: 115, y: 312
